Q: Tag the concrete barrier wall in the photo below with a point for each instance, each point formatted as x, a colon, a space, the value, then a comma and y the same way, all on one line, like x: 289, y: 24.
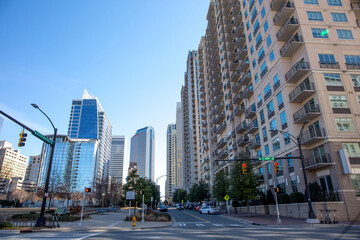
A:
x: 301, y: 210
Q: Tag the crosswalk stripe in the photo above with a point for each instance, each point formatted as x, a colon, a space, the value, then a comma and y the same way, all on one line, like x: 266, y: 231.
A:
x: 235, y: 225
x: 200, y: 225
x: 218, y: 225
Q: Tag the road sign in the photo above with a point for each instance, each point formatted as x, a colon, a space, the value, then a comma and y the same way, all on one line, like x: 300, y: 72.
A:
x: 130, y: 195
x: 42, y: 137
x: 266, y: 158
x: 227, y: 197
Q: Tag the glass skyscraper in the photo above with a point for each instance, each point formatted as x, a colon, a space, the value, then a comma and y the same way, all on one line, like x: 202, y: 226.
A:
x: 142, y: 152
x: 117, y: 158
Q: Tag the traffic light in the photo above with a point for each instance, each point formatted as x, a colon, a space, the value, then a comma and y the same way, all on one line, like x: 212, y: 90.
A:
x: 277, y: 189
x: 22, y: 139
x: 244, y: 168
x: 277, y: 170
x: 87, y: 189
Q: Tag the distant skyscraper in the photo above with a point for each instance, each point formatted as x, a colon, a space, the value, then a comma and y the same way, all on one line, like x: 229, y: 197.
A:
x: 171, y: 181
x: 117, y: 158
x: 142, y: 152
x: 32, y: 173
x: 89, y: 121
x: 179, y: 145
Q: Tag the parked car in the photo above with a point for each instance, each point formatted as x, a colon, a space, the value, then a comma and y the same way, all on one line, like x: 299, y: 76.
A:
x: 209, y: 210
x: 179, y: 207
x: 163, y: 208
x: 198, y: 206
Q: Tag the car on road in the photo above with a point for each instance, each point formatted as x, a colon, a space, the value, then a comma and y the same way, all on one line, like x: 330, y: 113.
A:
x: 163, y: 208
x: 209, y: 210
x: 179, y: 207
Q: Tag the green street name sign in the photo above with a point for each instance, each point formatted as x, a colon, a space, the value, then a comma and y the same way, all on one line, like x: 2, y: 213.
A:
x: 42, y: 137
x: 266, y: 158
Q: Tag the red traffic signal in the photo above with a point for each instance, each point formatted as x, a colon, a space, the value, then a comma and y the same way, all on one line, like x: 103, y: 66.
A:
x: 87, y: 189
x: 244, y: 168
x: 276, y: 164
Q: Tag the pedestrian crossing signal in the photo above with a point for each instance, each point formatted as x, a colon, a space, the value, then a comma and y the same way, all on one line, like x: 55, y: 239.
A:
x: 87, y: 189
x: 244, y: 168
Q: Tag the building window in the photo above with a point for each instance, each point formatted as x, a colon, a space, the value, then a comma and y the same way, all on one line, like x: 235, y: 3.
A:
x: 290, y: 161
x: 294, y: 185
x: 286, y: 138
x: 311, y: 2
x: 332, y: 79
x: 334, y: 2
x: 260, y: 2
x: 279, y: 99
x: 338, y: 101
x: 267, y: 89
x: 327, y: 58
x: 262, y: 115
x: 270, y: 107
x: 256, y: 77
x: 263, y: 68
x: 264, y: 132
x: 276, y: 144
x: 352, y: 149
x: 276, y: 79
x: 345, y: 124
x: 261, y: 53
x: 344, y: 34
x: 268, y: 41
x: 272, y: 56
x: 273, y: 125
x: 259, y: 99
x: 258, y: 40
x: 283, y: 118
x: 355, y: 79
x: 246, y: 13
x: 339, y: 17
x: 314, y: 16
x: 266, y: 26
x: 244, y: 3
x: 248, y: 25
x: 355, y: 178
x: 252, y: 50
x: 250, y: 37
x: 352, y: 60
x: 358, y: 98
x: 263, y: 12
x: 254, y: 63
x: 320, y: 33
x: 267, y: 152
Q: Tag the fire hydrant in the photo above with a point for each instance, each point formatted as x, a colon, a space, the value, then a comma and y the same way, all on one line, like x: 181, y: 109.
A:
x: 134, y: 221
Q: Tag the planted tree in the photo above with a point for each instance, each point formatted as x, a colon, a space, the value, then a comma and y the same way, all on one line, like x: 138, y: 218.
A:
x: 221, y: 185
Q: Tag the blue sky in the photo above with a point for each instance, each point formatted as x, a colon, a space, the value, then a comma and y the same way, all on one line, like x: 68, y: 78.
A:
x: 130, y: 54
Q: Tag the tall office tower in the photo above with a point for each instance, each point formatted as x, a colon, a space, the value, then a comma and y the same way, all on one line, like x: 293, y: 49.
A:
x: 73, y: 163
x: 32, y: 174
x: 12, y: 167
x: 284, y: 67
x: 179, y: 145
x: 171, y: 161
x: 190, y: 104
x: 89, y: 121
x: 142, y: 152
x: 117, y: 158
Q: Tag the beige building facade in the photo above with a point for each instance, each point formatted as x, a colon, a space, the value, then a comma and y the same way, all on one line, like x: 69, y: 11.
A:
x: 32, y: 174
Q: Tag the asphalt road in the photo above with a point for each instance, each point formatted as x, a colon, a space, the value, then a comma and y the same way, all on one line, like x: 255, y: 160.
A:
x: 192, y: 225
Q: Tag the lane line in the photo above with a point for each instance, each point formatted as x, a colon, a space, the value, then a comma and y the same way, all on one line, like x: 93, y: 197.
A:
x: 115, y: 223
x: 196, y: 217
x: 91, y: 235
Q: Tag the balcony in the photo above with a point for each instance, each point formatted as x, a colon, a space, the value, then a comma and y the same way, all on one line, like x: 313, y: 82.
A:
x: 217, y: 100
x: 221, y: 143
x: 254, y: 143
x: 291, y: 46
x: 237, y: 99
x: 352, y: 65
x: 243, y: 53
x: 233, y: 55
x: 287, y: 29
x: 244, y: 66
x: 218, y: 109
x: 312, y: 162
x: 250, y: 112
x: 356, y: 8
x: 245, y: 78
x: 241, y: 128
x: 284, y: 12
x: 261, y: 57
x: 234, y: 65
x: 313, y: 135
x: 242, y: 141
x: 235, y: 76
x: 276, y: 4
x: 205, y: 139
x: 248, y: 92
x: 297, y: 72
x: 236, y: 87
x: 252, y: 127
x: 334, y: 65
x: 220, y: 128
x: 224, y: 153
x: 239, y: 110
x: 308, y: 112
x: 240, y: 41
x: 304, y: 90
x: 219, y: 119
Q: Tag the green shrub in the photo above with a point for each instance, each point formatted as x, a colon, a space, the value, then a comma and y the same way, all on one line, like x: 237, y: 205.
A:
x: 25, y: 216
x: 284, y: 198
x: 5, y: 225
x: 67, y: 218
x: 51, y: 211
x: 297, y: 197
x: 270, y: 197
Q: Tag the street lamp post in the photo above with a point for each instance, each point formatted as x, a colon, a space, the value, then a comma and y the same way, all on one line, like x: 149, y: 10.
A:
x: 298, y: 141
x: 40, y: 222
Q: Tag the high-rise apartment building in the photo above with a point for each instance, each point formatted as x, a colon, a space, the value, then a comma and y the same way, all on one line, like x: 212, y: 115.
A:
x: 179, y: 145
x: 171, y: 161
x: 32, y: 174
x: 89, y: 121
x: 12, y: 166
x: 272, y: 68
x: 191, y: 123
x: 142, y: 152
x: 117, y: 158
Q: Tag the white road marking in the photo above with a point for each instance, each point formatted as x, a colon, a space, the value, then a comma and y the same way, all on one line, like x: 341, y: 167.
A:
x: 91, y: 235
x: 218, y: 225
x: 235, y: 225
x: 200, y: 225
x: 115, y: 223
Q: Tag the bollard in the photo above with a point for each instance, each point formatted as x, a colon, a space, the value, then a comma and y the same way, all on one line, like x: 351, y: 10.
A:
x: 326, y: 216
x: 335, y: 221
x: 321, y: 219
x: 134, y: 221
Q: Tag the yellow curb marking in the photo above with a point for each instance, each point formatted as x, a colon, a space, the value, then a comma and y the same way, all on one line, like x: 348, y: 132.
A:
x: 196, y: 217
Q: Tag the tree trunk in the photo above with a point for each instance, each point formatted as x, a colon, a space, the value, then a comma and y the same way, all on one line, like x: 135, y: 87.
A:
x: 248, y: 208
x: 49, y: 203
x: 235, y: 210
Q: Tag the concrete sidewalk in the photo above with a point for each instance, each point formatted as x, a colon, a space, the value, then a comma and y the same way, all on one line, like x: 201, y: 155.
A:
x: 261, y: 219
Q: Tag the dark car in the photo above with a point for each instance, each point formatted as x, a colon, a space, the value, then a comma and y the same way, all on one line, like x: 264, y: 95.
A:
x: 163, y: 208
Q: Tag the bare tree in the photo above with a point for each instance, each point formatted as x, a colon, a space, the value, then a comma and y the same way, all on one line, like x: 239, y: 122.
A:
x: 20, y: 195
x: 115, y: 192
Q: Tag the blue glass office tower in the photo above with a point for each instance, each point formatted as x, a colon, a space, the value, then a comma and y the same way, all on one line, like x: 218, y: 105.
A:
x: 142, y: 152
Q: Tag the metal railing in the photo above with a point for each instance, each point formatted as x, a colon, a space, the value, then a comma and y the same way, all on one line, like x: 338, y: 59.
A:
x: 303, y: 86
x: 284, y: 26
x: 295, y: 38
x: 295, y: 68
x: 308, y: 108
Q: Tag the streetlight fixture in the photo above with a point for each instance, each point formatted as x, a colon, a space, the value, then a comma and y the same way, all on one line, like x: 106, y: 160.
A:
x: 40, y: 222
x: 298, y: 141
